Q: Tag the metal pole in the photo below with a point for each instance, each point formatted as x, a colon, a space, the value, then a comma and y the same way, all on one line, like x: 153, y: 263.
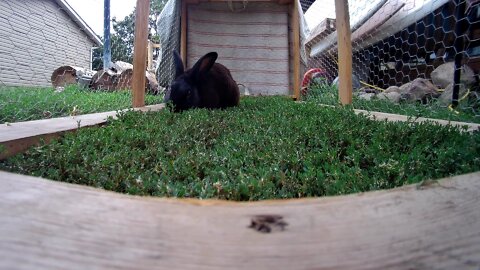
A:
x: 107, y: 52
x: 459, y: 45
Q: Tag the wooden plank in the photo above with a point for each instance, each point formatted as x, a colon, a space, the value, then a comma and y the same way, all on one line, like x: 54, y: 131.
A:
x: 319, y: 32
x: 470, y: 127
x: 149, y: 55
x: 140, y: 53
x: 53, y: 225
x: 372, y: 25
x: 183, y: 34
x: 17, y: 137
x: 344, y: 52
x: 295, y: 25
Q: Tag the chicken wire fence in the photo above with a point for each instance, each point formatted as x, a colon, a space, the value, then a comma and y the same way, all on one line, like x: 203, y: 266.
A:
x: 52, y: 62
x: 403, y: 56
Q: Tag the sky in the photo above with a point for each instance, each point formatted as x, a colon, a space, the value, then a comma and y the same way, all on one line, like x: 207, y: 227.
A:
x: 91, y: 11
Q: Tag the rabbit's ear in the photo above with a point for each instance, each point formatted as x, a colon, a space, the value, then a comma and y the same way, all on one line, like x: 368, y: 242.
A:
x: 178, y: 64
x: 204, y: 64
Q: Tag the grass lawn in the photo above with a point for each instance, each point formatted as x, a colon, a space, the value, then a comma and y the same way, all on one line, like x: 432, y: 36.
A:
x: 268, y: 147
x: 465, y: 112
x: 27, y: 103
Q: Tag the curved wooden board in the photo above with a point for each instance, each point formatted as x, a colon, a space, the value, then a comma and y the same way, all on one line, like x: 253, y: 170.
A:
x: 52, y: 225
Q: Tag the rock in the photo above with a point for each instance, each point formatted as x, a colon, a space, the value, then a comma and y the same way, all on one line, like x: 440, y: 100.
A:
x: 366, y: 96
x: 244, y: 91
x: 390, y: 96
x: 368, y: 90
x: 392, y: 89
x: 355, y: 82
x: 418, y: 90
x: 442, y: 76
x: 446, y: 96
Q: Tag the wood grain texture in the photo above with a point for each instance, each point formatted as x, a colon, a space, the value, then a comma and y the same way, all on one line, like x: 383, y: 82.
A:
x: 295, y: 25
x: 17, y: 137
x: 140, y: 53
x: 183, y: 34
x: 52, y: 225
x: 344, y: 52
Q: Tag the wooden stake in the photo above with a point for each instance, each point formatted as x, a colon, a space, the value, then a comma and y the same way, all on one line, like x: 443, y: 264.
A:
x: 344, y: 52
x: 183, y: 34
x: 140, y: 53
x: 296, y: 50
x: 150, y: 55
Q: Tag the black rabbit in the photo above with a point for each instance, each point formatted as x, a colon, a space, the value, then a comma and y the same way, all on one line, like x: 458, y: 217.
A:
x: 206, y: 85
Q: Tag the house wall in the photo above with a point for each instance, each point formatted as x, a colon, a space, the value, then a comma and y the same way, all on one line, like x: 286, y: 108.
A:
x: 36, y: 37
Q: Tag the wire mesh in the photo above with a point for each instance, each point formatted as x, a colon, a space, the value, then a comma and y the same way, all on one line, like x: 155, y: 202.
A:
x: 403, y: 56
x: 52, y: 61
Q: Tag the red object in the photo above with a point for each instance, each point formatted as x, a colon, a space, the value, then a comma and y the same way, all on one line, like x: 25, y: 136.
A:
x: 307, y: 78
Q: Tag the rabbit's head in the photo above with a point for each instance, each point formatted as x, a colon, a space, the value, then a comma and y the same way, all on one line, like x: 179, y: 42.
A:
x: 184, y: 92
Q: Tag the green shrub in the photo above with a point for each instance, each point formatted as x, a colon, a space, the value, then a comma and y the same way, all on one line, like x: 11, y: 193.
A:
x: 322, y: 92
x: 268, y: 147
x: 28, y: 103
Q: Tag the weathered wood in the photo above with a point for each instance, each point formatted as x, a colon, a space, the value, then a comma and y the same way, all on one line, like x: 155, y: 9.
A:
x: 183, y: 33
x: 63, y: 75
x: 149, y: 55
x: 140, y: 53
x: 344, y: 52
x: 324, y: 28
x: 104, y: 80
x: 17, y: 137
x: 124, y: 81
x: 295, y: 25
x: 66, y: 75
x: 53, y: 225
x: 372, y: 25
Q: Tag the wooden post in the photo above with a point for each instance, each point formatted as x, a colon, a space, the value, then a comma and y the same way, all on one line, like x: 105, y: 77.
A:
x: 183, y: 34
x: 150, y: 55
x: 296, y: 50
x: 140, y: 53
x: 344, y: 52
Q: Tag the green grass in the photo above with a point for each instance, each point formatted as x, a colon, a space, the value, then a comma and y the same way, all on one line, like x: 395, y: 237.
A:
x: 268, y: 147
x: 27, y: 103
x: 326, y: 94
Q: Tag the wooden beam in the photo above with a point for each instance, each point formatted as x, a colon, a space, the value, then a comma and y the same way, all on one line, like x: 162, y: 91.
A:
x: 183, y: 33
x: 53, y: 225
x: 150, y: 55
x: 344, y: 52
x: 295, y: 25
x: 18, y: 137
x: 140, y: 53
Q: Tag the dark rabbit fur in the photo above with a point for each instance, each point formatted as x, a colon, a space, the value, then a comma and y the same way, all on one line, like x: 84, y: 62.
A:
x: 206, y: 85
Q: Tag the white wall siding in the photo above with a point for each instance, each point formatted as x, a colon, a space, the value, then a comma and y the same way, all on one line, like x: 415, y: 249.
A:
x: 36, y: 37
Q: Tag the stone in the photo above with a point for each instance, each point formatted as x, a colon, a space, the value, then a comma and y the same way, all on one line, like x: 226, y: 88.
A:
x: 366, y: 96
x: 418, y: 90
x: 442, y: 76
x: 355, y: 82
x: 446, y: 97
x: 390, y: 96
x: 392, y: 89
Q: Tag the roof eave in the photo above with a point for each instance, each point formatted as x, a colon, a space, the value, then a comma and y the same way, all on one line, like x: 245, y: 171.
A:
x: 77, y: 19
